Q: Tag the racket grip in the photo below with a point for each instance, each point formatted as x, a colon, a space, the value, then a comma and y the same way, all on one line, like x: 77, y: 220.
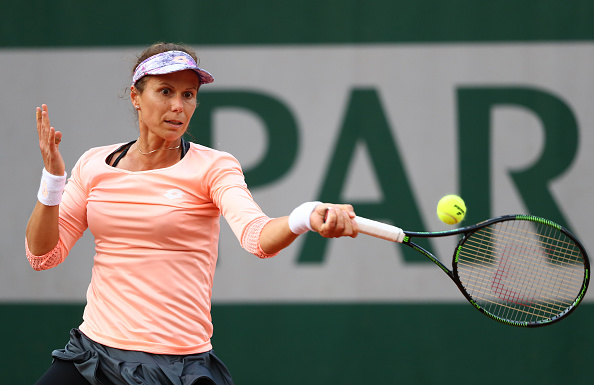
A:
x: 380, y: 230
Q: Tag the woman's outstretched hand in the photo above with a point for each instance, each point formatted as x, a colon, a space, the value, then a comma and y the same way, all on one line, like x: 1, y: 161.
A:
x: 49, y: 143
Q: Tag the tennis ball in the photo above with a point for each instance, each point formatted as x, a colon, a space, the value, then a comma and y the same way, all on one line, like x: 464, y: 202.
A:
x: 451, y: 209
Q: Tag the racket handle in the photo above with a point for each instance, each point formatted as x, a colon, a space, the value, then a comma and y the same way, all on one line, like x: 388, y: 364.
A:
x: 380, y: 230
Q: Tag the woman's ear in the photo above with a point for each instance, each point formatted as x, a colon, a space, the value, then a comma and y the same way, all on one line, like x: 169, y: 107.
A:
x: 134, y: 97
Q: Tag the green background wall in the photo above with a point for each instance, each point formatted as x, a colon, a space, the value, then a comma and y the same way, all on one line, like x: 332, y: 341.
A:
x: 107, y: 23
x: 326, y: 343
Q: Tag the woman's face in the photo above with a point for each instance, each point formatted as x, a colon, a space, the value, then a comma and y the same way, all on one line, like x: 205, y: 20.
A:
x: 167, y: 103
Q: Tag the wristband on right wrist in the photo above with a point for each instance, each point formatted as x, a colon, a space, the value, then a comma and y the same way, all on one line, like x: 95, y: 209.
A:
x: 299, y: 220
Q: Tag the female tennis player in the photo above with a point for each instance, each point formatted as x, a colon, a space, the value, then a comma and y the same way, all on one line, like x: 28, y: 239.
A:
x: 153, y: 206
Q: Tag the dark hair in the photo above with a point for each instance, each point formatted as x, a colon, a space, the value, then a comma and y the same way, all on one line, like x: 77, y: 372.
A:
x: 155, y: 49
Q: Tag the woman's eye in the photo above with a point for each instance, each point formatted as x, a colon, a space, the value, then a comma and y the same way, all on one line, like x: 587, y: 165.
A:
x: 188, y: 95
x: 165, y: 91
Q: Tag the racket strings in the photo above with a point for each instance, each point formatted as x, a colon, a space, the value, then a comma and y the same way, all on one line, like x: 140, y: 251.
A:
x: 503, y: 273
x: 520, y: 270
x: 483, y: 254
x: 563, y: 250
x: 479, y: 257
x: 501, y: 280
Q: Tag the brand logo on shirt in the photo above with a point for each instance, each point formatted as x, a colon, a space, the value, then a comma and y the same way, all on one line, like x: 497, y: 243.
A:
x: 174, y: 193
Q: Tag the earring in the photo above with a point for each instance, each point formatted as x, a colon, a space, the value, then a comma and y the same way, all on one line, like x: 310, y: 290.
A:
x: 137, y: 107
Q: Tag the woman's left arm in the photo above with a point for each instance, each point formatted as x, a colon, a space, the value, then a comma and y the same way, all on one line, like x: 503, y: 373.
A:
x: 329, y: 220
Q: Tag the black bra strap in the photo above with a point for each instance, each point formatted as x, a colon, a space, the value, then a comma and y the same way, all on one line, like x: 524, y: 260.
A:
x: 125, y: 149
x: 185, y: 147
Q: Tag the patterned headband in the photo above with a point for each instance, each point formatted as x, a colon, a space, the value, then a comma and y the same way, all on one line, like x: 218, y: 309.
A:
x: 168, y: 62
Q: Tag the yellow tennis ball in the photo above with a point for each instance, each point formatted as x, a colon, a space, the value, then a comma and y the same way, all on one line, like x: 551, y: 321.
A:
x: 451, y: 209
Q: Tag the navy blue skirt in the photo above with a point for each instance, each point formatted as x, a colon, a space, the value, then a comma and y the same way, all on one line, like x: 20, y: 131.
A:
x: 99, y: 363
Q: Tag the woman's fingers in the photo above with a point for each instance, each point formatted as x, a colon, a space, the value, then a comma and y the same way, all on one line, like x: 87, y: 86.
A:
x: 57, y: 138
x: 38, y: 118
x: 339, y: 222
x: 48, y: 136
x: 49, y: 140
x: 43, y: 127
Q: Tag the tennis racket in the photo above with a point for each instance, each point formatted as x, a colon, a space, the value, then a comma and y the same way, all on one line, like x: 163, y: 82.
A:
x: 520, y: 270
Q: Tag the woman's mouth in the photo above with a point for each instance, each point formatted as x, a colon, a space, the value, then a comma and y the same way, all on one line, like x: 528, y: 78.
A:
x: 174, y: 122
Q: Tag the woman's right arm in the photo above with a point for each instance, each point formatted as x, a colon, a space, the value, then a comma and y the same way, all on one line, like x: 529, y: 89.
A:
x: 43, y: 227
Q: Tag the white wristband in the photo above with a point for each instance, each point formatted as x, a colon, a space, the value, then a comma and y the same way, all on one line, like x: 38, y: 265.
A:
x: 299, y: 220
x: 51, y: 188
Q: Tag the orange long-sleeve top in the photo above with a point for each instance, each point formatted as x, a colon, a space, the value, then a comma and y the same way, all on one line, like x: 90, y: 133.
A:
x: 156, y: 242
